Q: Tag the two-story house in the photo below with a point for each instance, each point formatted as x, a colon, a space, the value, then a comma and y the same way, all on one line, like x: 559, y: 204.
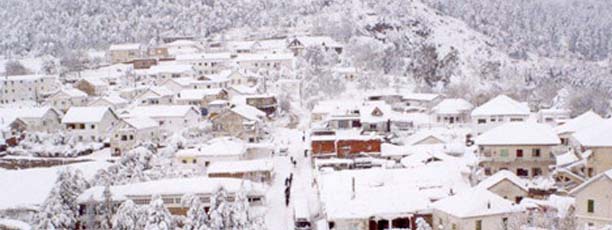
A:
x: 498, y: 111
x: 525, y: 148
x: 93, y: 123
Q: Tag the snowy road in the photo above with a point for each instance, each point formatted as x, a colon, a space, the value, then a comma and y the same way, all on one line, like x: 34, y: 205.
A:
x: 279, y: 216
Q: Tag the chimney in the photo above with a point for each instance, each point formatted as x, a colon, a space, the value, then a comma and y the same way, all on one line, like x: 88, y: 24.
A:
x: 353, y: 188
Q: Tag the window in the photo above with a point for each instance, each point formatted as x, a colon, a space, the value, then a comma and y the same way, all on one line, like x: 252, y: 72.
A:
x: 487, y: 171
x: 519, y: 153
x: 194, y: 161
x: 522, y: 172
x: 184, y: 161
x: 535, y: 152
x: 454, y: 227
x: 479, y: 225
x: 505, y: 223
x: 482, y: 121
x: 518, y: 199
x: 536, y: 172
x: 503, y: 153
x: 590, y: 206
x: 93, y: 126
x: 124, y: 138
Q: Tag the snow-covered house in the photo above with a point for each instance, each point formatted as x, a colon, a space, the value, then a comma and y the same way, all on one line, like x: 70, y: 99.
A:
x: 375, y: 117
x: 507, y: 185
x: 452, y: 111
x: 324, y: 109
x: 553, y: 116
x: 92, y: 123
x: 30, y: 119
x: 259, y: 170
x: 66, y: 98
x: 92, y: 86
x: 265, y: 61
x: 171, y: 191
x: 473, y: 209
x: 218, y: 149
x: 182, y: 46
x: 423, y: 100
x: 593, y: 202
x: 240, y: 47
x: 578, y: 123
x: 242, y: 121
x: 343, y: 143
x: 156, y: 95
x: 385, y: 198
x: 171, y: 118
x: 497, y: 111
x: 113, y: 101
x: 205, y: 63
x: 120, y: 53
x: 525, y: 148
x: 162, y: 72
x: 200, y: 97
x: 594, y: 145
x: 264, y: 102
x: 23, y: 88
x: 133, y: 131
x: 298, y: 44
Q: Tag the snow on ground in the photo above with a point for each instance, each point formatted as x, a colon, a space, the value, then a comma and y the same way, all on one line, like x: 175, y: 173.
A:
x: 14, y: 224
x: 24, y: 188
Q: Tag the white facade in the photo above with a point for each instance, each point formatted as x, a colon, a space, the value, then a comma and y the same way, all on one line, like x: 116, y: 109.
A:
x: 90, y: 123
x: 14, y: 89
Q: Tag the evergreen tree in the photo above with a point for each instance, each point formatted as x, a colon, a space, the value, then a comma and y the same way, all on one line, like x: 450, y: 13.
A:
x: 129, y: 216
x: 158, y: 216
x: 220, y: 210
x: 197, y: 218
x: 60, y: 208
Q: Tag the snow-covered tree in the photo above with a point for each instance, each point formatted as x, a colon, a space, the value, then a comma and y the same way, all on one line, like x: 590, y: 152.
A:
x: 59, y: 210
x: 106, y: 209
x: 129, y: 216
x: 421, y: 224
x: 15, y: 68
x: 240, y: 211
x: 197, y: 218
x: 220, y: 210
x: 158, y: 216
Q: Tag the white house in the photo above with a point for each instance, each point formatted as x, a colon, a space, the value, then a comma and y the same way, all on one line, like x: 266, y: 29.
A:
x: 171, y: 118
x: 218, y: 149
x: 113, y: 101
x: 271, y: 61
x: 452, y: 111
x: 66, y: 98
x: 93, y: 123
x: 205, y: 63
x: 553, y: 116
x: 497, y: 111
x: 477, y: 209
x: 15, y: 89
x: 156, y: 95
x: 583, y: 121
x: 133, y: 131
x: 593, y: 202
x: 31, y: 119
x: 162, y: 72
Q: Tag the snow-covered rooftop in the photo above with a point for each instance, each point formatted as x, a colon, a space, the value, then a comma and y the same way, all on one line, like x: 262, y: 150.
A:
x: 386, y: 192
x: 501, y: 176
x: 501, y: 105
x: 197, y: 94
x: 474, y: 203
x: 580, y: 122
x: 141, y: 122
x: 194, y: 185
x: 246, y: 166
x: 221, y: 146
x: 248, y: 112
x: 597, y: 135
x: 155, y: 111
x: 453, y: 106
x: 519, y: 133
x: 89, y: 114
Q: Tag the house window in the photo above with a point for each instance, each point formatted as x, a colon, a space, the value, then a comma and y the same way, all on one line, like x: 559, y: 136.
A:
x: 518, y: 199
x: 487, y: 171
x: 194, y: 161
x: 131, y: 137
x: 536, y: 172
x: 479, y: 225
x: 93, y: 126
x: 519, y: 153
x: 516, y: 119
x: 184, y: 161
x: 590, y: 206
x: 124, y: 138
x: 590, y: 172
x: 535, y: 152
x: 482, y: 121
x: 522, y: 172
x: 503, y: 153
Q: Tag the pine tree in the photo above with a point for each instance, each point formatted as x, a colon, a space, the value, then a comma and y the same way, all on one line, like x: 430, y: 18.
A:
x: 60, y: 208
x: 158, y: 216
x: 197, y: 218
x: 129, y: 216
x: 219, y: 211
x: 106, y: 209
